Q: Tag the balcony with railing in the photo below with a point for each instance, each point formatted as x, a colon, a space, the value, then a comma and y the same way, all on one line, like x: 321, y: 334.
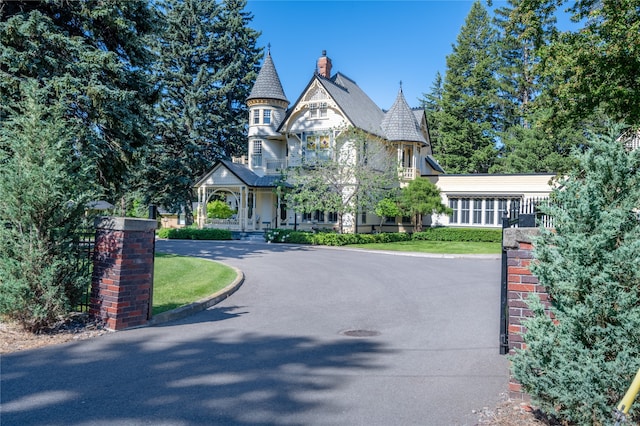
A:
x: 273, y: 167
x: 408, y: 173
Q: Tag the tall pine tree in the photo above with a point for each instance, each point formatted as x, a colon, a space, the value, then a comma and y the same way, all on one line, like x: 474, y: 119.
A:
x: 95, y: 55
x: 525, y: 28
x: 207, y: 66
x: 468, y: 119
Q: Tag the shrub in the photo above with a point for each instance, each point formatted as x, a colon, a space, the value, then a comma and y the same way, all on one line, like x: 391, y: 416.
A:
x: 194, y: 234
x: 581, y: 356
x: 218, y: 209
x: 331, y: 238
x: 43, y: 193
x: 479, y: 235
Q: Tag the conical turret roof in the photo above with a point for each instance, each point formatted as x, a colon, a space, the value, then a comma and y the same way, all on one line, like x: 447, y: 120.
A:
x: 400, y: 124
x: 268, y: 85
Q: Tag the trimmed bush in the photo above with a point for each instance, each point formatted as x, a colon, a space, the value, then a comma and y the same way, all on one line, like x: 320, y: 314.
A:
x: 479, y: 235
x: 331, y: 238
x: 194, y: 234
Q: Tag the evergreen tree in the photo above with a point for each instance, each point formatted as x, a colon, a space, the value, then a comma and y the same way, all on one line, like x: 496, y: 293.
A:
x: 94, y: 53
x: 44, y: 190
x: 205, y: 71
x: 468, y: 120
x: 525, y: 27
x: 582, y: 355
x: 419, y: 198
x: 432, y: 105
x: 530, y: 141
x: 597, y: 68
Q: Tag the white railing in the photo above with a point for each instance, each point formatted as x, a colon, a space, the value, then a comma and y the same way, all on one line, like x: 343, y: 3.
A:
x: 275, y: 166
x: 408, y: 173
x: 221, y: 223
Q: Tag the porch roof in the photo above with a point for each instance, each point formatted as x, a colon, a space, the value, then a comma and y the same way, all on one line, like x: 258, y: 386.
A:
x: 243, y: 173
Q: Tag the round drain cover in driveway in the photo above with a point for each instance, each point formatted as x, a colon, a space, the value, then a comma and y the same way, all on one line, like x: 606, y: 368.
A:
x: 360, y: 333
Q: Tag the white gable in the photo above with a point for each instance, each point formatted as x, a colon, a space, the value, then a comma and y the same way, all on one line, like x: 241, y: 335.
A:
x: 220, y: 176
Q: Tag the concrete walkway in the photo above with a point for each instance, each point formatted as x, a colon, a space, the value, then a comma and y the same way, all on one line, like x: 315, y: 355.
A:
x: 279, y: 350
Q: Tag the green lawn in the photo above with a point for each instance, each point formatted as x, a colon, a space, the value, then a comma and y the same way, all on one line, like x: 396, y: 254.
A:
x: 180, y: 280
x: 440, y: 247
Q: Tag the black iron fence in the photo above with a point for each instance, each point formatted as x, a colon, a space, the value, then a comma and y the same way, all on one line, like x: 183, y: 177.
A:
x: 84, y: 241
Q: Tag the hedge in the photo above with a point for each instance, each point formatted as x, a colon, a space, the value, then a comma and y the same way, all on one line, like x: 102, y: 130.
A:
x: 431, y: 234
x: 194, y: 234
x: 479, y: 235
x: 331, y: 238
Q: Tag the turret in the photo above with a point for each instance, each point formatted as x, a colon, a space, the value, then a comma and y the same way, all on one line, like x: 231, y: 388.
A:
x: 267, y: 105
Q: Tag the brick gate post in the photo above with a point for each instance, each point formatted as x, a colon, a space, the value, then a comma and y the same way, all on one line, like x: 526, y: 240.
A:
x: 521, y: 283
x: 122, y: 280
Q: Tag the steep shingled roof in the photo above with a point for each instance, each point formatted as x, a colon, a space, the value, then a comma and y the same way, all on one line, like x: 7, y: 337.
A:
x: 246, y: 175
x: 400, y: 122
x: 357, y: 106
x: 268, y: 84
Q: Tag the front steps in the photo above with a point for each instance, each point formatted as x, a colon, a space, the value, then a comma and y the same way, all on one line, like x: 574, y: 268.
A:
x: 248, y: 235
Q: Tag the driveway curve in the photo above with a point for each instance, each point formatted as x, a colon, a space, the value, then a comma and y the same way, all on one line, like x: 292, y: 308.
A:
x: 315, y: 336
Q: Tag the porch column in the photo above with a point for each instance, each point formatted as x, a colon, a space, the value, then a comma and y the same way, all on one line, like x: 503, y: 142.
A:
x: 199, y: 211
x: 243, y: 209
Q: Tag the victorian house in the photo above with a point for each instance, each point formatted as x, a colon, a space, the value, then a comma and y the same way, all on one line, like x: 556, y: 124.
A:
x: 281, y: 136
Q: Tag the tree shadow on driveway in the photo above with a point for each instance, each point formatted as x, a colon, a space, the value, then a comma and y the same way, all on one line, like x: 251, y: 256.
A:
x: 192, y: 376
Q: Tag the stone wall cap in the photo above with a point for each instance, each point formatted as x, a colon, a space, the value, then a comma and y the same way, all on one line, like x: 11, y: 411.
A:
x: 512, y: 236
x: 126, y: 224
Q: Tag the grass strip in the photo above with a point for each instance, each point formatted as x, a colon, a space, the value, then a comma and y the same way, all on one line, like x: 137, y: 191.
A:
x: 180, y: 280
x: 438, y: 247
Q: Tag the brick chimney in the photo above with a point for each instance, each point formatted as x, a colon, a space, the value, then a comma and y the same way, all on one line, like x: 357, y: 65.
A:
x: 324, y: 65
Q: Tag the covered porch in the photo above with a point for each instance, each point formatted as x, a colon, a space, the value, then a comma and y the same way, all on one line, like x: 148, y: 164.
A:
x: 252, y: 198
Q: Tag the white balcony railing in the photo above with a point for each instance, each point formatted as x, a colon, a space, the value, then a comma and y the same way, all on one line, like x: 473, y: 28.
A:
x: 275, y: 166
x: 408, y: 173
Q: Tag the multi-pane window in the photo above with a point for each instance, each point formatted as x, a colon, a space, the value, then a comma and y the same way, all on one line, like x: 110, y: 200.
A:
x: 464, y: 210
x: 318, y: 110
x: 313, y: 110
x: 266, y: 116
x: 323, y: 109
x: 480, y: 211
x: 502, y: 207
x: 317, y: 147
x: 477, y: 211
x: 453, y: 205
x: 489, y: 212
x: 257, y: 153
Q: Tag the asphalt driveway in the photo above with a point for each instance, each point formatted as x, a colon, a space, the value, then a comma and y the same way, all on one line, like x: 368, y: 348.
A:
x: 279, y: 350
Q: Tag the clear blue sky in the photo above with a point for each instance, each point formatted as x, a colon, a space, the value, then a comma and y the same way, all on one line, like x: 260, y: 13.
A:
x: 376, y: 43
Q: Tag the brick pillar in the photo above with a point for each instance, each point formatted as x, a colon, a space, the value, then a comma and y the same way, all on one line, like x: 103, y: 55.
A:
x: 122, y: 281
x: 520, y: 284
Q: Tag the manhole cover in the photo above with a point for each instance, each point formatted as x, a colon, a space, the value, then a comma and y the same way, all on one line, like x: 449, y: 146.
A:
x: 360, y: 333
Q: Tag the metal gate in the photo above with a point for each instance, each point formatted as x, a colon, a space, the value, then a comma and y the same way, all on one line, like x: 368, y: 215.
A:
x: 85, y: 241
